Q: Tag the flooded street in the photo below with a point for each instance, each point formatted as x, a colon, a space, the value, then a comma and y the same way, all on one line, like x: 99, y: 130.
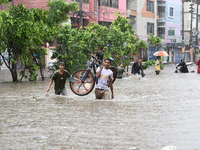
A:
x: 150, y: 113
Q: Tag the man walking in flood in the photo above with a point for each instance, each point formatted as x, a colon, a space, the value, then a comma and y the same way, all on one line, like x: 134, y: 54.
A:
x: 137, y: 68
x: 104, y: 81
x: 59, y: 79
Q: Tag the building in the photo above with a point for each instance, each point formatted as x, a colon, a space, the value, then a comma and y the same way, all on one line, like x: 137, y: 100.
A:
x: 28, y: 3
x: 143, y: 17
x: 169, y: 28
x: 191, y: 29
x: 98, y: 11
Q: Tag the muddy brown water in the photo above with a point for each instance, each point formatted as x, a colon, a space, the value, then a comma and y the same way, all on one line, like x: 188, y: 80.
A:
x: 150, y: 113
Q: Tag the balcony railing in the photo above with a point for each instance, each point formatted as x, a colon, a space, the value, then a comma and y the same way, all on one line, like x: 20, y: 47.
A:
x: 162, y: 36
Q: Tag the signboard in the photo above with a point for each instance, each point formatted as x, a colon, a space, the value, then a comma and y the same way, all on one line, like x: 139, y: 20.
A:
x: 171, y: 33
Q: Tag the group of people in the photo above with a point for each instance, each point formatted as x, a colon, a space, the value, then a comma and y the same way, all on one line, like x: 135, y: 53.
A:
x: 137, y: 68
x: 182, y: 66
x: 105, y: 76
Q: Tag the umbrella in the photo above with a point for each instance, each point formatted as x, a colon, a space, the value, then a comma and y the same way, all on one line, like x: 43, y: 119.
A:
x: 160, y: 53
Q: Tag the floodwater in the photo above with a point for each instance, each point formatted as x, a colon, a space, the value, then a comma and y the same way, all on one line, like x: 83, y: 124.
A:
x: 147, y: 114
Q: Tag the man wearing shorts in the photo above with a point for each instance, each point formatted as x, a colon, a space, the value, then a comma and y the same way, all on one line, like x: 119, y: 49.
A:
x: 104, y: 81
x: 59, y: 79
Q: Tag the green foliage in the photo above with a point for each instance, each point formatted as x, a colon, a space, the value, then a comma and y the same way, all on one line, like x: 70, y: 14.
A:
x: 153, y: 40
x: 3, y: 1
x: 119, y: 35
x: 58, y: 10
x: 74, y: 46
x: 161, y: 63
x: 148, y: 63
x: 71, y: 47
x: 23, y: 31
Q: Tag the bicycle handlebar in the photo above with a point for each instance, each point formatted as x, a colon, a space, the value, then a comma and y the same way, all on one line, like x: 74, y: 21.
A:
x: 99, y: 61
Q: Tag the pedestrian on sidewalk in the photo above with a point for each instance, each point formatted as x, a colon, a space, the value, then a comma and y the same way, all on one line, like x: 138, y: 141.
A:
x: 104, y: 81
x: 120, y: 71
x: 198, y: 65
x: 59, y: 79
x: 137, y: 68
x: 157, y: 65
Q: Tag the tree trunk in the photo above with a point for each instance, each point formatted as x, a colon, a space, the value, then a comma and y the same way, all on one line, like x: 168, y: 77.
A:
x: 13, y: 71
x: 12, y: 68
x: 41, y: 73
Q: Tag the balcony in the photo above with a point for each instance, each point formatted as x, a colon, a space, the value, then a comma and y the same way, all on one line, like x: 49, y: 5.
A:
x: 161, y: 14
x: 161, y: 20
x: 161, y: 33
x: 162, y: 36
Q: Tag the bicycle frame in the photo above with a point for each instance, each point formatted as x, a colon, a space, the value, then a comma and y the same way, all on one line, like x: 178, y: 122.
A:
x: 93, y: 66
x: 83, y: 80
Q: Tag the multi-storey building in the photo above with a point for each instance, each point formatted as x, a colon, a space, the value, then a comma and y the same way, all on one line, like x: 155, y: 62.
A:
x: 169, y: 28
x: 98, y: 11
x: 143, y: 17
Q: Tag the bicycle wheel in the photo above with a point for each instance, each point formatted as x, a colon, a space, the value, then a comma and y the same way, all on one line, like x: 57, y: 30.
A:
x: 83, y: 87
x: 114, y: 70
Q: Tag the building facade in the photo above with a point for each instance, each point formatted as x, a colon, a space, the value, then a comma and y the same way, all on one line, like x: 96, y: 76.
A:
x: 169, y: 28
x: 191, y: 29
x: 143, y: 17
x: 98, y: 11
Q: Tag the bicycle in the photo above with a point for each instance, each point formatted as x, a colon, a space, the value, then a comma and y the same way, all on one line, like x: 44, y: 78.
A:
x: 82, y: 81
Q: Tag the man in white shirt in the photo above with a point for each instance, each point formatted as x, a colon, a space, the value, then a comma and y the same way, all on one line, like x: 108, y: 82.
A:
x: 104, y: 81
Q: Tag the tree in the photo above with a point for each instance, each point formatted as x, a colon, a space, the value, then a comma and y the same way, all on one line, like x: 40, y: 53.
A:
x: 74, y: 46
x: 120, y: 37
x: 153, y: 40
x: 3, y: 1
x: 23, y: 31
x: 71, y: 47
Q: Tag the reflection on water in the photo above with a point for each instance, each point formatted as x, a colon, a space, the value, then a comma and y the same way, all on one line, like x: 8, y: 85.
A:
x: 150, y: 113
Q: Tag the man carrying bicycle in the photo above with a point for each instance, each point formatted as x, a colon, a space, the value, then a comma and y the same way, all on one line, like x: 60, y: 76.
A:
x: 104, y: 81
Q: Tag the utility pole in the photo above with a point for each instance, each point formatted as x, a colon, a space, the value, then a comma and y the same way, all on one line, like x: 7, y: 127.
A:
x: 183, y: 43
x: 191, y: 11
x: 80, y: 9
x: 197, y: 29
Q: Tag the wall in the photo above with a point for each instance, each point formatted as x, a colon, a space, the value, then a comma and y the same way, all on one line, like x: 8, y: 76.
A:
x: 143, y: 17
x: 108, y: 14
x: 172, y: 22
x: 29, y: 3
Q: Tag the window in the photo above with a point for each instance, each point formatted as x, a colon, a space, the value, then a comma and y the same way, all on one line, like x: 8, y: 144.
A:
x: 160, y: 24
x: 150, y: 6
x: 84, y: 1
x: 171, y: 12
x: 150, y: 28
x: 161, y: 11
x: 161, y: 33
x: 109, y: 3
